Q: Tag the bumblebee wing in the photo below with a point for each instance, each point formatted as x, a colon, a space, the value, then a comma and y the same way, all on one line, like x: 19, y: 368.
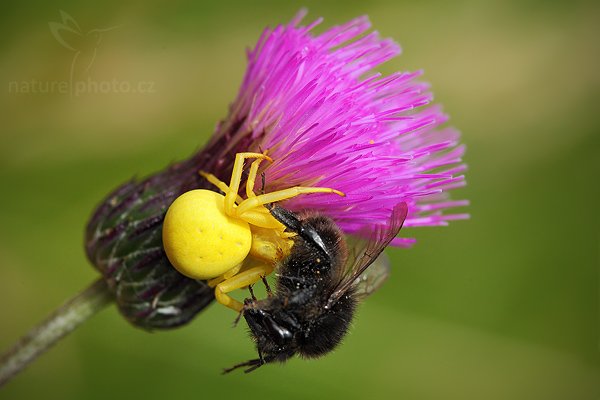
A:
x: 365, y: 255
x: 373, y: 277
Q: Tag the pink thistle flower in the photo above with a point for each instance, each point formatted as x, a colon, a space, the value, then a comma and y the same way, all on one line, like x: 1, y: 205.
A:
x: 329, y: 120
x: 314, y: 102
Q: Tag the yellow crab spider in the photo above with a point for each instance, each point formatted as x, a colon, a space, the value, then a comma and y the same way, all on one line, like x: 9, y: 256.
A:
x: 208, y: 236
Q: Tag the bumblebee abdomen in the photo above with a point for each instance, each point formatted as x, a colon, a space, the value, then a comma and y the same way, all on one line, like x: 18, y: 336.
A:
x: 327, y: 330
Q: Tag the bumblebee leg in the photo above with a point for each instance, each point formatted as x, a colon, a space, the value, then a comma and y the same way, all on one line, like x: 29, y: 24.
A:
x: 237, y: 319
x: 251, y: 293
x: 250, y: 363
x: 273, y: 197
x: 245, y: 278
x: 267, y: 287
x: 236, y: 178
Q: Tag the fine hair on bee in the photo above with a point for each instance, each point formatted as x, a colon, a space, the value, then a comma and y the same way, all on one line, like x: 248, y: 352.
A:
x: 317, y: 289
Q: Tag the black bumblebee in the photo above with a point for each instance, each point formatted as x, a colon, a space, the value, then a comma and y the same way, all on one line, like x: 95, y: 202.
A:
x: 318, y: 287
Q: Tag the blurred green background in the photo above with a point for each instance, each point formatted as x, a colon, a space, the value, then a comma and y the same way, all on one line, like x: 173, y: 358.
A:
x: 503, y: 306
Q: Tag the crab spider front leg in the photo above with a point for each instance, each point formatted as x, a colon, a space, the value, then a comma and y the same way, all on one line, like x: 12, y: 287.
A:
x: 220, y: 184
x: 251, y: 180
x: 273, y: 197
x: 243, y: 279
x: 233, y: 188
x: 251, y: 210
x: 236, y: 178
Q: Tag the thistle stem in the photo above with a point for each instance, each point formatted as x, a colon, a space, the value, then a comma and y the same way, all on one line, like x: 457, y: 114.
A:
x: 61, y: 322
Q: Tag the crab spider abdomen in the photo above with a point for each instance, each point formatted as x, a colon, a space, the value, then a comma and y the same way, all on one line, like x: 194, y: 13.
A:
x: 200, y: 239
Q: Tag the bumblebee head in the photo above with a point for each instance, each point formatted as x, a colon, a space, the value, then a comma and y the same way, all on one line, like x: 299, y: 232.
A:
x: 275, y: 335
x: 274, y: 332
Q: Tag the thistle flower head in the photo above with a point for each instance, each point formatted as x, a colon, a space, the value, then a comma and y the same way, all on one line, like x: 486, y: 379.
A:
x: 327, y: 119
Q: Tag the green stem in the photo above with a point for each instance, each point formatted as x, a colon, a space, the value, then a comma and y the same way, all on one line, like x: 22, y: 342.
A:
x: 61, y: 322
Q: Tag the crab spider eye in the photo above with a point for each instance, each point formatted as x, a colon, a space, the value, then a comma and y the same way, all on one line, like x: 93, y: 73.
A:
x: 200, y: 239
